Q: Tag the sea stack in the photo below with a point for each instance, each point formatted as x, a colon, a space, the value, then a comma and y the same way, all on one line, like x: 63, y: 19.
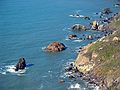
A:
x: 21, y: 64
x: 55, y: 47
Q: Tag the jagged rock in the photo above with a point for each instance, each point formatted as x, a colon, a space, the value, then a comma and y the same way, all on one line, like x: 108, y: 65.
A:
x: 78, y: 27
x: 21, y: 64
x: 55, y: 47
x: 72, y: 36
x: 106, y: 11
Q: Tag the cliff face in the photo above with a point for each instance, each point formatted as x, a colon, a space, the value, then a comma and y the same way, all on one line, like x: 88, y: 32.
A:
x: 102, y: 58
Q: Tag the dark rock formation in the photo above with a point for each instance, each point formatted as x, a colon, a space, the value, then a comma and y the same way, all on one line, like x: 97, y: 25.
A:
x: 72, y: 36
x: 87, y: 18
x: 106, y: 11
x: 55, y: 47
x: 117, y: 5
x: 78, y: 27
x: 21, y: 64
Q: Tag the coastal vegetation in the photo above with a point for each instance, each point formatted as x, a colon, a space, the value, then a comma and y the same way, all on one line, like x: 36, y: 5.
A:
x: 101, y: 59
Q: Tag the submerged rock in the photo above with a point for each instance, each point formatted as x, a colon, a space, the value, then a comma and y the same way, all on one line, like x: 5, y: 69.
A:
x: 72, y: 36
x: 61, y: 81
x: 21, y: 64
x: 78, y: 27
x: 55, y: 47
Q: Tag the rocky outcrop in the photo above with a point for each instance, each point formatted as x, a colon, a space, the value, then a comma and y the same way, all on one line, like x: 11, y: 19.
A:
x: 55, y: 47
x: 94, y: 25
x: 78, y: 27
x: 21, y: 64
x: 83, y: 63
x: 72, y: 36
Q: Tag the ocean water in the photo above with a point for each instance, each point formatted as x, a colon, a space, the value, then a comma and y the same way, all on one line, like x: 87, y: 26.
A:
x: 27, y: 26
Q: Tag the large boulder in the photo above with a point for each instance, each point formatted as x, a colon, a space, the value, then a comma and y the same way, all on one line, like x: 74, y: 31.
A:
x: 55, y: 47
x: 20, y: 65
x: 78, y: 27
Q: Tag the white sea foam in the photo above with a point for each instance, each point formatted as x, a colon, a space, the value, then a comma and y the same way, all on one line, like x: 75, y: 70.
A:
x: 67, y: 39
x: 75, y: 86
x: 11, y: 69
x: 43, y: 48
x: 96, y: 88
x: 76, y: 16
x: 41, y: 86
x: 77, y: 40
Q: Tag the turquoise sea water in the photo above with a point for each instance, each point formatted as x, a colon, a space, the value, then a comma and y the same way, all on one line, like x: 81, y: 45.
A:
x: 27, y: 26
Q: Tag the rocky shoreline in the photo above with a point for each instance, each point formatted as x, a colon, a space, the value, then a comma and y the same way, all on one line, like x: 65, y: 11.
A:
x: 87, y: 61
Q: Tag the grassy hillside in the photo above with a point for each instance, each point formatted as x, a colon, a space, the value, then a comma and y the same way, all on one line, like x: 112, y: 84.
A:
x: 105, y: 54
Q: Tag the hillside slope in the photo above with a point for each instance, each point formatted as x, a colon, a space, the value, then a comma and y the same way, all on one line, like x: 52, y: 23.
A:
x: 101, y: 59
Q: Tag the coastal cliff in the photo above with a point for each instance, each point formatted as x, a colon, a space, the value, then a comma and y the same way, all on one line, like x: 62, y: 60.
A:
x: 101, y: 59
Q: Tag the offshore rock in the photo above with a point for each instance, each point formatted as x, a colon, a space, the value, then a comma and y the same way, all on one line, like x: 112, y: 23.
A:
x: 106, y: 11
x: 72, y: 36
x: 55, y: 47
x: 21, y: 64
x: 78, y: 27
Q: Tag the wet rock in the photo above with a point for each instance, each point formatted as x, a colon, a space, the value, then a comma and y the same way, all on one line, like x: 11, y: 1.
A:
x: 117, y: 5
x: 21, y: 64
x: 87, y: 18
x: 72, y: 36
x: 71, y: 77
x: 55, y: 47
x: 106, y: 11
x: 68, y: 69
x: 78, y: 27
x: 89, y: 37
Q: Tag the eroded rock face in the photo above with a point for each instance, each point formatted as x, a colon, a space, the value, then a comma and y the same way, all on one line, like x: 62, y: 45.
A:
x: 21, y: 64
x: 78, y: 27
x: 55, y: 47
x: 72, y: 36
